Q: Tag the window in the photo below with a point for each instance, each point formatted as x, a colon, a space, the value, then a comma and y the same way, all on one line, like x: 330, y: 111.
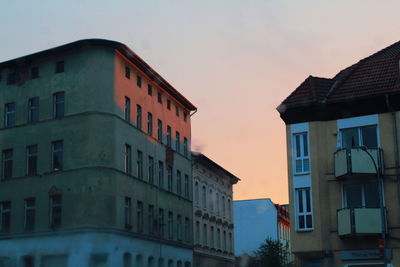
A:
x: 7, y: 163
x: 139, y: 164
x: 151, y: 220
x: 217, y: 203
x: 159, y: 97
x: 211, y: 200
x: 34, y: 72
x: 127, y: 109
x: 59, y: 66
x: 139, y: 216
x: 361, y: 136
x: 187, y: 229
x: 170, y: 225
x: 224, y: 241
x: 169, y: 104
x: 205, y: 241
x: 204, y: 196
x: 223, y: 206
x: 57, y: 155
x: 149, y: 123
x: 169, y: 136
x: 31, y: 160
x: 196, y: 194
x: 197, y: 232
x: 212, y: 237
x: 151, y: 170
x: 229, y: 208
x: 303, y: 209
x: 361, y: 195
x: 185, y: 147
x: 9, y: 115
x: 97, y: 259
x: 58, y: 105
x: 33, y: 109
x: 139, y: 81
x: 127, y: 72
x: 127, y: 159
x: 186, y: 186
x: 161, y: 174
x: 177, y: 142
x: 176, y: 110
x: 127, y: 260
x: 28, y: 261
x: 159, y: 131
x: 5, y: 215
x: 55, y: 210
x: 12, y: 78
x: 301, y: 155
x: 127, y: 211
x: 178, y: 182
x: 185, y: 116
x: 29, y: 218
x: 138, y: 117
x: 218, y: 239
x: 169, y: 177
x: 161, y: 222
x: 149, y: 89
x: 179, y: 233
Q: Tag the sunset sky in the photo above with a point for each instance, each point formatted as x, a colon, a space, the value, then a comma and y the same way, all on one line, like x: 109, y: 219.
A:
x: 236, y: 60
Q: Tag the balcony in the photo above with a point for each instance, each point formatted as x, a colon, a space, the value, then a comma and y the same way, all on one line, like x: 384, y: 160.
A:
x: 357, y: 161
x: 359, y: 221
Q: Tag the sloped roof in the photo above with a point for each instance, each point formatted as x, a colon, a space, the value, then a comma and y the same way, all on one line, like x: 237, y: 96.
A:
x: 123, y: 49
x: 375, y: 75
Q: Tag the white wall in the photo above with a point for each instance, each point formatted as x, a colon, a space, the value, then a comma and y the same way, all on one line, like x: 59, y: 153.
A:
x: 255, y: 221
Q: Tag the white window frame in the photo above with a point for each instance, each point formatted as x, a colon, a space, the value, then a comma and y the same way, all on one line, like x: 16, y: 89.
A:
x: 304, y: 213
x: 302, y: 157
x: 360, y: 137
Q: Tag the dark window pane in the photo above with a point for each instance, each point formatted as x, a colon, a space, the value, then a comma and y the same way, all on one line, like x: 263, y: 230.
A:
x: 371, y: 195
x: 350, y: 138
x: 301, y: 222
x: 353, y: 195
x: 308, y: 221
x: 369, y: 137
x: 300, y: 194
x: 60, y: 66
x: 298, y: 153
x: 305, y: 145
x: 34, y: 73
x: 308, y: 200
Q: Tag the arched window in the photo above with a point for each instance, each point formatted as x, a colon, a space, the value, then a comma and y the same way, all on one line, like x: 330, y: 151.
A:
x: 229, y: 208
x: 127, y: 259
x: 223, y: 206
x: 196, y: 194
x: 204, y: 196
x: 211, y: 200
x: 217, y: 203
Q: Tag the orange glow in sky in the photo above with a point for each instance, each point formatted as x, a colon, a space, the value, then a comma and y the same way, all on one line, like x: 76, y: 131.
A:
x: 235, y: 60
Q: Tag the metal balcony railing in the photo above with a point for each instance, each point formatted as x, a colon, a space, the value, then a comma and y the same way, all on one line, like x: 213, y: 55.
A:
x: 356, y: 161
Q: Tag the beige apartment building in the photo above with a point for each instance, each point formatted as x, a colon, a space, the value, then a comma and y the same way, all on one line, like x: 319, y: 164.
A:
x: 96, y: 165
x: 343, y: 165
x: 212, y: 213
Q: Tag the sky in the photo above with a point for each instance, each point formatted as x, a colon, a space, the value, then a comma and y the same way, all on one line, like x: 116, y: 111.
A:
x: 236, y: 60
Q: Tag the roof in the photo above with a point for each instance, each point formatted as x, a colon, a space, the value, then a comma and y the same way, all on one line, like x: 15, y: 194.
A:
x: 374, y: 76
x: 202, y: 159
x: 123, y: 49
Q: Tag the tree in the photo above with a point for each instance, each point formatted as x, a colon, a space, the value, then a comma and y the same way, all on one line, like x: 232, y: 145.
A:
x: 271, y: 253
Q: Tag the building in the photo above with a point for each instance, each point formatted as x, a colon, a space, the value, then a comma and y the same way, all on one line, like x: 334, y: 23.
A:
x: 343, y: 164
x: 95, y: 161
x: 257, y: 220
x: 212, y: 213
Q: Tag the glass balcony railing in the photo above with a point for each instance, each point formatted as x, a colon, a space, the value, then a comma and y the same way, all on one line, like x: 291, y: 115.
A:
x: 357, y: 161
x: 359, y: 221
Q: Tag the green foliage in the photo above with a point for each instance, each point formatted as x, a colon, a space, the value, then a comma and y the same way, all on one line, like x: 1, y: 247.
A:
x: 270, y: 254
